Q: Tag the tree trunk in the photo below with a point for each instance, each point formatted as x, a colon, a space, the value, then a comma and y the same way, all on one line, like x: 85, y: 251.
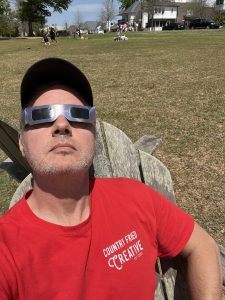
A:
x: 152, y: 20
x: 30, y: 28
x: 109, y: 25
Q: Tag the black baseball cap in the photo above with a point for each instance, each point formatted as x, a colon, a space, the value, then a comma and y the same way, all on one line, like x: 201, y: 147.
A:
x: 52, y: 70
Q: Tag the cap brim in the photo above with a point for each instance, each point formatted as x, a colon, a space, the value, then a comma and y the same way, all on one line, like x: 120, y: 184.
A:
x: 50, y: 70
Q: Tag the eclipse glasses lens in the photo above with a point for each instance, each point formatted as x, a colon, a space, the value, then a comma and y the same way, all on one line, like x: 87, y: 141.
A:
x: 49, y: 113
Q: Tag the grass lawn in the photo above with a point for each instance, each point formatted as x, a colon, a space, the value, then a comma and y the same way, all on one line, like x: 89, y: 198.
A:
x: 171, y: 84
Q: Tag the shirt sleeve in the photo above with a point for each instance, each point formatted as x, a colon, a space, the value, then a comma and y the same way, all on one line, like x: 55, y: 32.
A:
x: 173, y: 226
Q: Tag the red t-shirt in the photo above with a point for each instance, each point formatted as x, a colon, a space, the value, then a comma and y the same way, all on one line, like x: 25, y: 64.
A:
x: 111, y: 255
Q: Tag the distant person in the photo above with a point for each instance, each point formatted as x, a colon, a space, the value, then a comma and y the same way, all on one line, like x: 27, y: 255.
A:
x: 135, y: 26
x: 77, y: 33
x: 46, y: 40
x: 52, y: 35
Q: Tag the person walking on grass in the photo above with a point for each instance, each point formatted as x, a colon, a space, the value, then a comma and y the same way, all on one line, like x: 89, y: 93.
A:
x: 46, y: 40
x: 52, y: 35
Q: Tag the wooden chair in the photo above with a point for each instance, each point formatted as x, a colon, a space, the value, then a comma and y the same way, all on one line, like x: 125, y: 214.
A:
x: 117, y: 156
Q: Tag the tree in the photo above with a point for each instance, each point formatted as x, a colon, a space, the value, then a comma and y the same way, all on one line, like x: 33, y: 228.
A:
x: 151, y: 11
x: 108, y: 12
x: 78, y: 19
x: 8, y: 22
x: 124, y: 4
x: 66, y: 26
x: 37, y: 10
x: 220, y: 17
x: 4, y: 7
x: 199, y: 8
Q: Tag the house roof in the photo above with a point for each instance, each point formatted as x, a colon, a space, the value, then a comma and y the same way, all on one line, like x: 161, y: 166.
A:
x: 60, y: 27
x: 91, y: 24
x: 72, y: 28
x: 167, y: 4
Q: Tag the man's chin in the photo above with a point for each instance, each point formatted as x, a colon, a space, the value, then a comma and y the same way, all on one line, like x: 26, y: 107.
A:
x: 62, y: 170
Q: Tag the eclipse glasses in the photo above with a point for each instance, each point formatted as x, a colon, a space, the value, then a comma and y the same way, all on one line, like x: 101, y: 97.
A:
x: 49, y: 113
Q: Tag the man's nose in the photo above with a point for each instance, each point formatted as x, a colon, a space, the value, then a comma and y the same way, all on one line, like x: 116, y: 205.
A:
x: 61, y: 126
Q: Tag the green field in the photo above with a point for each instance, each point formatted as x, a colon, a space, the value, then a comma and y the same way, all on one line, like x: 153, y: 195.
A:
x: 171, y: 84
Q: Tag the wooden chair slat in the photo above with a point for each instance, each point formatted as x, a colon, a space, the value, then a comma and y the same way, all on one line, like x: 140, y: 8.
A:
x: 101, y: 164
x: 9, y: 144
x: 122, y: 153
x: 222, y: 254
x: 156, y: 175
x: 159, y: 292
x: 24, y: 186
x: 100, y: 143
x: 175, y: 279
x: 148, y: 143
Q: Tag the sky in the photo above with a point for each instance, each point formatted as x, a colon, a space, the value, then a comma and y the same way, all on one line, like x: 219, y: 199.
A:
x: 89, y: 10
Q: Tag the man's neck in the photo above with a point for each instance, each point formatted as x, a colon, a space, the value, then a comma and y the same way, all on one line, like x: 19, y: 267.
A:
x: 62, y: 200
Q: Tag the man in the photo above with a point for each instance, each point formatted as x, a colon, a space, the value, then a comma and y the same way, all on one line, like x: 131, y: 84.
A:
x: 72, y: 237
x: 52, y: 34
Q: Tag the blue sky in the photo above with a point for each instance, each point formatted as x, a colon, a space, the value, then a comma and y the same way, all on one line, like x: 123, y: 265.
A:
x: 89, y: 10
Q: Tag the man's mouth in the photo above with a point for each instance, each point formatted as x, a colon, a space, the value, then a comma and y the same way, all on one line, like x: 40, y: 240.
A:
x: 63, y: 146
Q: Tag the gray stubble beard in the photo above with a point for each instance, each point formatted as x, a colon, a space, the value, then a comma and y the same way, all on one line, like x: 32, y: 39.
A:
x: 44, y: 169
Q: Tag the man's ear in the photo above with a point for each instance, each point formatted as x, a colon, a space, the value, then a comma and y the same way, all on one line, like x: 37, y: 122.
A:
x: 21, y: 146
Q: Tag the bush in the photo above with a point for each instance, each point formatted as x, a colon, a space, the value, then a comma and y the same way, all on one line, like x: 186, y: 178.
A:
x: 8, y: 26
x: 220, y: 17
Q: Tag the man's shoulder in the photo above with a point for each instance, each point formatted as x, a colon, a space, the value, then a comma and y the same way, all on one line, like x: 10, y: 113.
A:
x: 122, y: 188
x: 12, y: 215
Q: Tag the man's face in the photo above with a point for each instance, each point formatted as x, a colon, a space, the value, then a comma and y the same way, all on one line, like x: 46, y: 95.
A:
x: 59, y: 147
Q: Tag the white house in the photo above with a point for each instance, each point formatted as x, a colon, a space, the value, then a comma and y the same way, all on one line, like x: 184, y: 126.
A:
x: 220, y: 5
x: 163, y: 14
x: 155, y: 16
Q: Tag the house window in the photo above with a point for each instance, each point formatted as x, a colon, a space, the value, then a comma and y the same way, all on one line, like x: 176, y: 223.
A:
x: 158, y: 10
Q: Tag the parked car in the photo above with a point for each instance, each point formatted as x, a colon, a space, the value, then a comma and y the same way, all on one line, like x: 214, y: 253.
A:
x: 203, y: 24
x: 174, y: 26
